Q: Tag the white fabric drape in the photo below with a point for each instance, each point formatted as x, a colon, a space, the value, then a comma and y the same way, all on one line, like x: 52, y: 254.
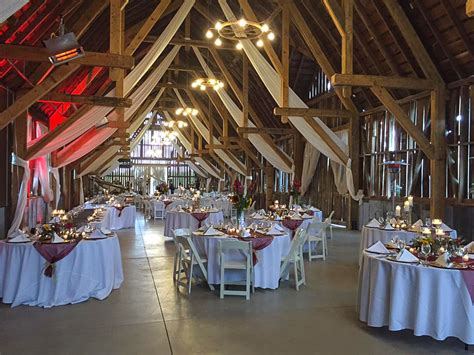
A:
x: 228, y: 157
x: 311, y: 158
x: 193, y: 166
x: 22, y: 195
x: 41, y: 172
x: 97, y: 113
x: 339, y: 170
x: 208, y: 184
x: 9, y: 7
x: 208, y: 167
x: 95, y: 137
x: 270, y: 152
x: 272, y: 81
x: 57, y: 192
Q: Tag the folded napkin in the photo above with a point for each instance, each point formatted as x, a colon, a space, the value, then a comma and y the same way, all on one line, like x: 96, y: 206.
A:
x: 407, y: 257
x: 105, y: 230
x: 57, y: 239
x: 274, y: 230
x: 388, y: 227
x: 18, y: 237
x: 305, y: 215
x: 261, y: 211
x: 443, y: 260
x: 470, y: 247
x: 295, y: 217
x: 418, y: 223
x: 373, y: 223
x: 253, y: 214
x: 378, y: 247
x: 55, y: 220
x: 445, y: 228
x: 258, y: 216
x: 314, y: 209
x: 277, y: 218
x: 212, y: 231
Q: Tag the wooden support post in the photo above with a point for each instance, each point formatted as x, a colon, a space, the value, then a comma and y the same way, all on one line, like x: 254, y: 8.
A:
x: 438, y: 164
x: 270, y: 183
x: 347, y: 44
x: 298, y: 151
x: 285, y: 58
x: 245, y: 91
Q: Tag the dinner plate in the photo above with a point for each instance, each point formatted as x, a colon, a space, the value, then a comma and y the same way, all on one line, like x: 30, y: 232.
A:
x: 455, y: 266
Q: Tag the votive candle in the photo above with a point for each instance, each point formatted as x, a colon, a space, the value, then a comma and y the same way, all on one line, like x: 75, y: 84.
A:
x: 398, y: 211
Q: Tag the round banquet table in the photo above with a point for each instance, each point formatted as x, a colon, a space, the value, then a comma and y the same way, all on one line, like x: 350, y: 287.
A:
x: 430, y: 301
x: 372, y: 235
x: 266, y: 270
x: 113, y: 221
x: 176, y: 220
x: 92, y: 269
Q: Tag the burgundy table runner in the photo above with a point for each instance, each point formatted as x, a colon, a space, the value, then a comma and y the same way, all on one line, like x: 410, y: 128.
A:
x: 120, y: 209
x: 167, y: 202
x: 200, y: 216
x: 292, y: 225
x: 258, y: 243
x: 53, y: 252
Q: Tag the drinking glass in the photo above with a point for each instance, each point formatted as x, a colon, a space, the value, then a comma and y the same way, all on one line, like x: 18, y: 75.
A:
x: 425, y: 250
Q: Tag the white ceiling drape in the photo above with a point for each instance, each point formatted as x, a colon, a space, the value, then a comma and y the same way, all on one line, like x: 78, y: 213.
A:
x: 269, y: 152
x: 97, y: 113
x: 228, y: 157
x: 272, y: 81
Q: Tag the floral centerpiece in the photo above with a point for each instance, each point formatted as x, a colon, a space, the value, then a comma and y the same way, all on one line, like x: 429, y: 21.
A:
x: 240, y: 200
x: 163, y: 188
x: 296, y: 190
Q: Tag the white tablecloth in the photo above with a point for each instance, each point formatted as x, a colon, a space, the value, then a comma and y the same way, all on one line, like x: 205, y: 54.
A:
x: 112, y: 220
x: 430, y: 301
x: 373, y: 235
x: 176, y: 220
x: 267, y: 269
x: 92, y: 269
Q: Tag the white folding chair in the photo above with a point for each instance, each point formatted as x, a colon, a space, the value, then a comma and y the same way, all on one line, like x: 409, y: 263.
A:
x: 329, y: 222
x: 316, y: 233
x: 188, y: 257
x: 295, y: 257
x: 159, y: 210
x: 148, y: 209
x: 229, y: 245
x: 181, y: 232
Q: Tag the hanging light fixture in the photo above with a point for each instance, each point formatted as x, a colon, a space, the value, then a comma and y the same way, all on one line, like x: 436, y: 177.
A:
x: 204, y: 83
x: 238, y: 30
x: 188, y: 111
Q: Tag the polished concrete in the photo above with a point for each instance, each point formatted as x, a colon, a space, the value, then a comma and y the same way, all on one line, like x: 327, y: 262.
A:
x: 148, y: 316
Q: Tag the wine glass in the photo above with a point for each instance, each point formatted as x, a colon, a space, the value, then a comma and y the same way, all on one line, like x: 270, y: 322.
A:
x: 425, y: 250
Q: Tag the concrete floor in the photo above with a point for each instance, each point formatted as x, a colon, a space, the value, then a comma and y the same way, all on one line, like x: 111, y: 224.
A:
x: 148, y: 316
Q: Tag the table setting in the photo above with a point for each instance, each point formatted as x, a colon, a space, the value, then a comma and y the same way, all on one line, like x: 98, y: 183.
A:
x: 192, y: 218
x: 59, y: 263
x: 425, y: 283
x: 270, y: 245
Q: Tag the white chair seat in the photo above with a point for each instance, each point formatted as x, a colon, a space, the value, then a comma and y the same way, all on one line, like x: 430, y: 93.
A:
x: 241, y: 265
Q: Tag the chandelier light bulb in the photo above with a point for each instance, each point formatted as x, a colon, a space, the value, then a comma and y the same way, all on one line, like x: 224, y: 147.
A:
x: 179, y: 111
x: 239, y: 46
x: 209, y: 34
x: 194, y: 112
x: 194, y: 85
x: 265, y: 28
x: 271, y: 36
x: 259, y: 43
x: 202, y: 87
x: 218, y: 26
x: 218, y: 42
x: 221, y: 84
x: 212, y: 81
x: 216, y: 87
x: 242, y: 22
x: 185, y: 113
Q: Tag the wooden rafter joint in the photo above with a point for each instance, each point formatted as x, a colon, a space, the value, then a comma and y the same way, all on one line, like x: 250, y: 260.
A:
x: 318, y: 112
x: 59, y: 97
x: 40, y: 54
x: 395, y: 82
x: 266, y: 130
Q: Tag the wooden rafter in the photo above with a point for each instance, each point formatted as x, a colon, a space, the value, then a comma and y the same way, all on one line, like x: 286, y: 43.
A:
x: 397, y: 82
x: 59, y: 97
x: 318, y: 112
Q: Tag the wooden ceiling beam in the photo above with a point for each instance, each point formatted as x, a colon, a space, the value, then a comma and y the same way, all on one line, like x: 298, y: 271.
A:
x: 59, y: 97
x: 25, y: 101
x: 413, y: 41
x: 459, y: 25
x: 267, y: 130
x: 402, y: 118
x: 41, y: 54
x: 318, y: 112
x: 396, y: 82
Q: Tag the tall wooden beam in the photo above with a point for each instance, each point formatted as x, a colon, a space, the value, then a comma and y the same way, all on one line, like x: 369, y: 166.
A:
x: 285, y: 57
x: 319, y: 112
x: 245, y: 90
x: 347, y: 43
x: 25, y: 101
x: 337, y: 15
x: 60, y: 97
